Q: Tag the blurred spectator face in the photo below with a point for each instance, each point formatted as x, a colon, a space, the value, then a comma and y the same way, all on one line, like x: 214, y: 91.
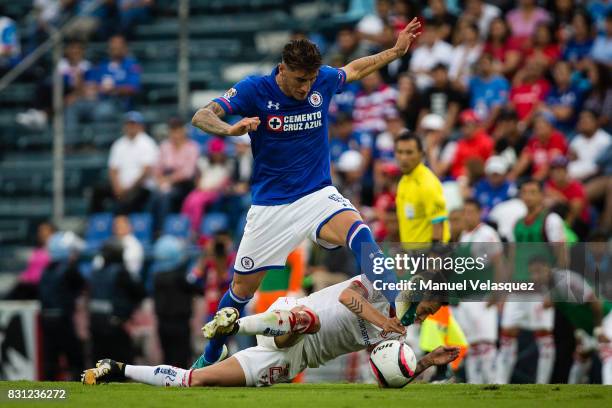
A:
x: 609, y: 25
x: 117, y: 47
x: 473, y: 7
x: 440, y: 76
x: 469, y: 34
x: 343, y: 128
x: 558, y: 175
x: 401, y: 8
x: 406, y: 85
x: 177, y: 135
x: 372, y: 82
x: 383, y: 8
x: 526, y: 3
x: 485, y: 65
x: 75, y: 52
x: 542, y: 35
x: 498, y: 30
x: 471, y: 216
x: 456, y: 222
x: 347, y: 40
x: 496, y: 168
x: 531, y: 195
x: 564, y: 5
x: 562, y: 74
x: 533, y: 70
x: 44, y: 232
x: 542, y: 128
x: 395, y: 124
x: 438, y: 7
x: 468, y: 129
x: 122, y: 226
x: 131, y: 129
x: 587, y: 123
x: 580, y: 26
x: 408, y: 155
x: 391, y: 223
x: 540, y: 273
x: 429, y: 36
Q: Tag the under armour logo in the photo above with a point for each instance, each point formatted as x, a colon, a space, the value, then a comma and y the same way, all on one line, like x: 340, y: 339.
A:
x: 271, y: 105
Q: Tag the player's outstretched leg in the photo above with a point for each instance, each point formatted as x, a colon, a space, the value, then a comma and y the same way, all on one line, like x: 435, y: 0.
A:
x: 214, y: 351
x: 273, y: 323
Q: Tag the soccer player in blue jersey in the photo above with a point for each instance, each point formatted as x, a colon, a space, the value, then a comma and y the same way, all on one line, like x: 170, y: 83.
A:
x: 285, y: 115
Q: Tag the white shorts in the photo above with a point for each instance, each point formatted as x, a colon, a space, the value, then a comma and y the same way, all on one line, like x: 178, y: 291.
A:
x: 479, y: 322
x: 528, y: 315
x: 272, y: 232
x: 266, y: 364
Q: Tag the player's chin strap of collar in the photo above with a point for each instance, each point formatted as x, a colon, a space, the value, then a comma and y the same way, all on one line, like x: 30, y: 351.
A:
x: 408, y: 317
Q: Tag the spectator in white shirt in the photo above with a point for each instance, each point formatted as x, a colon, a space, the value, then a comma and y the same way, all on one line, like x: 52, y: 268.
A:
x: 465, y: 54
x: 482, y: 13
x: 587, y: 146
x: 430, y: 52
x: 132, y: 159
x: 133, y: 252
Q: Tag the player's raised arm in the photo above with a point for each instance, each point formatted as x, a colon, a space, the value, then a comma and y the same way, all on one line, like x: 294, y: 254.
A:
x: 354, y: 298
x: 363, y: 67
x: 209, y: 120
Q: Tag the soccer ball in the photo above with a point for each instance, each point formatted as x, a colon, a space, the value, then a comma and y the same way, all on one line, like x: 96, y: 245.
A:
x: 393, y: 363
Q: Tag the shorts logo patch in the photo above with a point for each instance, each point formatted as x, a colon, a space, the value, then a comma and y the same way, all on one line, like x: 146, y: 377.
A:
x: 275, y: 123
x: 230, y: 93
x: 315, y: 99
x: 247, y: 263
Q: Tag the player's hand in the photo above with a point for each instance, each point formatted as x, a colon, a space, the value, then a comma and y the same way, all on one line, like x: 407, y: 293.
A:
x: 393, y: 325
x: 407, y: 36
x: 243, y: 126
x: 443, y: 355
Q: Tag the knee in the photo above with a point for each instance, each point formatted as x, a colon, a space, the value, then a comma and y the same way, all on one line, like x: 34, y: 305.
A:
x: 200, y: 378
x: 306, y: 320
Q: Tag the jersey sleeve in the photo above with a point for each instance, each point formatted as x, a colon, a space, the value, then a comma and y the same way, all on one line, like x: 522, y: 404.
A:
x: 435, y: 206
x: 238, y: 100
x: 335, y: 77
x: 554, y: 228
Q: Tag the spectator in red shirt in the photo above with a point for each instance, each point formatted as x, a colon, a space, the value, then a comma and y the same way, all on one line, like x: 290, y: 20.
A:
x: 528, y: 90
x: 561, y: 189
x: 545, y: 144
x: 475, y: 144
x: 543, y: 46
x: 505, y: 51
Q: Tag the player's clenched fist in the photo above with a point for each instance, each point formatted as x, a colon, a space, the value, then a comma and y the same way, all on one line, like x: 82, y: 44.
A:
x: 244, y: 126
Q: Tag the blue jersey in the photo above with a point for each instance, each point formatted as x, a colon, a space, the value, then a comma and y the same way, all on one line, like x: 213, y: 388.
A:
x: 290, y: 146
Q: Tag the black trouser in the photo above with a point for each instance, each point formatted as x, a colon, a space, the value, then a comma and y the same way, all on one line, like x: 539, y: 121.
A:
x: 103, y: 199
x: 110, y: 340
x: 175, y: 339
x: 59, y: 339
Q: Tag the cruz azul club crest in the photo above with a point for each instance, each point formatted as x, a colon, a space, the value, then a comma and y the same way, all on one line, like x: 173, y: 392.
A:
x: 275, y: 123
x: 315, y: 99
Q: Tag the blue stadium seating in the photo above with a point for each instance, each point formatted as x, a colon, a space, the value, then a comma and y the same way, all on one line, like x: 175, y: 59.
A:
x: 99, y: 229
x: 177, y: 225
x: 142, y: 228
x: 213, y: 223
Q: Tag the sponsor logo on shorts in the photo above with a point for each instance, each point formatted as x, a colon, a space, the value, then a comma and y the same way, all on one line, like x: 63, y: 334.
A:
x: 339, y: 199
x: 247, y: 263
x: 315, y: 99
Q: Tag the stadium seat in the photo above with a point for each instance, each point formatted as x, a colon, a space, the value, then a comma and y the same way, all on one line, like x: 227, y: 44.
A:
x: 176, y: 225
x: 142, y: 228
x: 213, y: 223
x: 99, y: 229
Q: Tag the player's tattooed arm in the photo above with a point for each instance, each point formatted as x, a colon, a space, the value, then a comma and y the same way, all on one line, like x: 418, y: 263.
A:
x: 363, y: 67
x: 440, y: 356
x: 354, y: 299
x: 209, y: 120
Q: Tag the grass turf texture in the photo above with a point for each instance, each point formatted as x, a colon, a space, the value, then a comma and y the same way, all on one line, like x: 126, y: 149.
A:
x: 317, y: 396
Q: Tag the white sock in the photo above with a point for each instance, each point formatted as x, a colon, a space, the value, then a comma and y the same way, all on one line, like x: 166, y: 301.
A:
x: 472, y: 365
x: 579, y: 371
x: 506, y: 358
x: 546, y: 358
x: 605, y: 354
x: 271, y: 324
x: 488, y: 352
x: 161, y: 375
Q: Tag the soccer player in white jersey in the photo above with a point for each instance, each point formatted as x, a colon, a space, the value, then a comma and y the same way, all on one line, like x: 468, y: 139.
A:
x: 285, y: 114
x: 479, y: 318
x: 293, y: 334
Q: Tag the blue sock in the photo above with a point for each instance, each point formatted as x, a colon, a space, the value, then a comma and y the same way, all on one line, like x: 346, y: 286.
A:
x: 361, y: 241
x: 214, y: 347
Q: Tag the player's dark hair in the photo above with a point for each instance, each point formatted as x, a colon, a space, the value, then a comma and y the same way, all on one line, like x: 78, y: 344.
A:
x: 302, y: 55
x: 407, y: 135
x: 472, y: 201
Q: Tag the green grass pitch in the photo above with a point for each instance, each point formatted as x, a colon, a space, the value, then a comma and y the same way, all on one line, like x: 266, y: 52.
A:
x: 317, y: 396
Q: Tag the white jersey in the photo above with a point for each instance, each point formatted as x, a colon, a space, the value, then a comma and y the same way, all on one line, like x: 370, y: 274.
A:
x: 484, y: 239
x: 341, y: 330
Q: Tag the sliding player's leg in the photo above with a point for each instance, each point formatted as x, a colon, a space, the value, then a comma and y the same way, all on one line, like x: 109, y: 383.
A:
x: 227, y: 373
x: 348, y: 229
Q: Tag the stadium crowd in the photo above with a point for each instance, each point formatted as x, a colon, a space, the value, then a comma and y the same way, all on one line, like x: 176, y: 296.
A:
x: 498, y: 92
